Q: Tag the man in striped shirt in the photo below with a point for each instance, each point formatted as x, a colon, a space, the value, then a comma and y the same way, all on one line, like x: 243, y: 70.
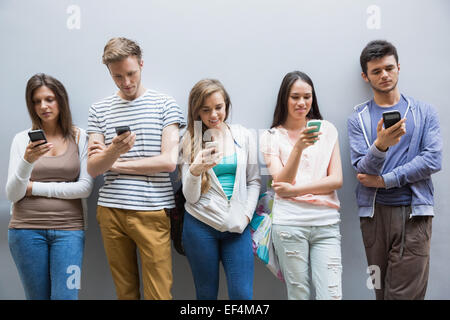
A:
x: 136, y: 166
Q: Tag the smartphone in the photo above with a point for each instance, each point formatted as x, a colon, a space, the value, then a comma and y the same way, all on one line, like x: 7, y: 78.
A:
x: 314, y: 123
x: 211, y: 144
x: 390, y: 118
x: 36, y: 135
x: 122, y: 129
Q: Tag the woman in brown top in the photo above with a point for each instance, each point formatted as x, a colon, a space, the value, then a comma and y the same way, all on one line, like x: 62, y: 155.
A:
x: 47, y: 183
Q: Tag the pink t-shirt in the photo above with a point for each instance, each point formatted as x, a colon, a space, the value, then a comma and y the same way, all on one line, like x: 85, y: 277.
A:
x: 313, y: 166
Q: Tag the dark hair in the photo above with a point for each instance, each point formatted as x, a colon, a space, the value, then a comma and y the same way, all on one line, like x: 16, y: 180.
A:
x: 281, y: 109
x: 376, y: 49
x: 65, y: 116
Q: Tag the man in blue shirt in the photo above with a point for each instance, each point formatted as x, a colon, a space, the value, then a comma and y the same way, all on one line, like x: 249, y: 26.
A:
x: 394, y: 167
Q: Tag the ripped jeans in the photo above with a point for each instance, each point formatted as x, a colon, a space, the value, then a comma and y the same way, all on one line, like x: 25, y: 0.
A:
x: 301, y: 248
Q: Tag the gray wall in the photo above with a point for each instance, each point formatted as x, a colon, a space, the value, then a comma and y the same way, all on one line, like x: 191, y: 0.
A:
x: 249, y: 46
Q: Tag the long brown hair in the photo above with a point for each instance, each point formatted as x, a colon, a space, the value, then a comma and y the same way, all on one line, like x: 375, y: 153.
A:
x: 192, y: 144
x: 65, y: 116
x: 281, y: 110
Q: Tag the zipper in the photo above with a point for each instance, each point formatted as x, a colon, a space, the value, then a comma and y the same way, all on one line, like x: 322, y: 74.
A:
x: 375, y: 195
x: 217, y: 182
x: 362, y: 125
x: 373, y: 203
x: 368, y: 145
x: 415, y: 127
x: 376, y: 190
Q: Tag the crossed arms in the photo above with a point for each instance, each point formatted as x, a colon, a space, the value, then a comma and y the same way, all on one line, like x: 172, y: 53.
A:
x: 369, y: 161
x: 103, y: 158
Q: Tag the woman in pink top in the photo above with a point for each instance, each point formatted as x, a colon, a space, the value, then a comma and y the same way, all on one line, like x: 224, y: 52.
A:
x: 306, y: 171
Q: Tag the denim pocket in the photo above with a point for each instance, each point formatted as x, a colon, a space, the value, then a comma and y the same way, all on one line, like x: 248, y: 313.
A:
x: 13, y: 236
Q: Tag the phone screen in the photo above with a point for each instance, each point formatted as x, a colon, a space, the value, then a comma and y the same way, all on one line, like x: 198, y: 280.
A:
x: 122, y: 129
x: 314, y: 123
x: 37, y: 135
x: 390, y: 118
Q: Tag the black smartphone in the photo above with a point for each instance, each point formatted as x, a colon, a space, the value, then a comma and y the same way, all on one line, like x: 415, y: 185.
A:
x: 122, y: 129
x: 390, y: 118
x: 36, y: 135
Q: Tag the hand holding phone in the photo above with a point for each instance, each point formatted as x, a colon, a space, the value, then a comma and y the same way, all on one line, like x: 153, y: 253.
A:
x: 122, y: 129
x: 308, y: 135
x: 121, y: 143
x: 394, y: 129
x: 36, y: 150
x: 314, y: 123
x: 212, y: 144
x: 205, y: 160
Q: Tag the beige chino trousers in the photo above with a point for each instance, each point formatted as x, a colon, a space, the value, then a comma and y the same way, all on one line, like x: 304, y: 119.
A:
x: 124, y: 231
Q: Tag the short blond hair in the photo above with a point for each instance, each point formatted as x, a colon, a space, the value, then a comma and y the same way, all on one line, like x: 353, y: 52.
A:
x: 120, y: 48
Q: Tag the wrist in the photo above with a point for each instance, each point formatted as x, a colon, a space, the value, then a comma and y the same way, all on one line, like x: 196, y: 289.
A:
x: 194, y: 171
x: 299, y: 191
x: 380, y: 146
x: 381, y: 183
x: 114, y: 167
x: 298, y: 149
x: 29, y: 191
x: 27, y: 160
x: 112, y: 152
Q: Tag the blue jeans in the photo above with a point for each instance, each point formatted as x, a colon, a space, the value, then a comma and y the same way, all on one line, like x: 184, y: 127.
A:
x: 49, y: 262
x: 205, y: 247
x: 300, y: 249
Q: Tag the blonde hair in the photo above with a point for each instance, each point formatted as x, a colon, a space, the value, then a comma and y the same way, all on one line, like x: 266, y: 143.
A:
x: 191, y: 144
x: 120, y: 48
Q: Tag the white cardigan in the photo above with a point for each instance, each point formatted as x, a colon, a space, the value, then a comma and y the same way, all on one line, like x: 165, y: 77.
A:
x: 213, y: 207
x: 19, y: 173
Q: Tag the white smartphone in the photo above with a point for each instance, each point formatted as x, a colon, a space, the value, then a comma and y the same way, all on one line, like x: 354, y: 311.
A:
x: 211, y: 144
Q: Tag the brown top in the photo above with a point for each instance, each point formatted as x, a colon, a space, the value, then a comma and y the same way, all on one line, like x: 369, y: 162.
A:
x: 33, y: 212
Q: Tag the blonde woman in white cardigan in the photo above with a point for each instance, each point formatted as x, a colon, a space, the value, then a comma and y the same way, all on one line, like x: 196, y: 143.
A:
x: 221, y: 184
x: 47, y: 185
